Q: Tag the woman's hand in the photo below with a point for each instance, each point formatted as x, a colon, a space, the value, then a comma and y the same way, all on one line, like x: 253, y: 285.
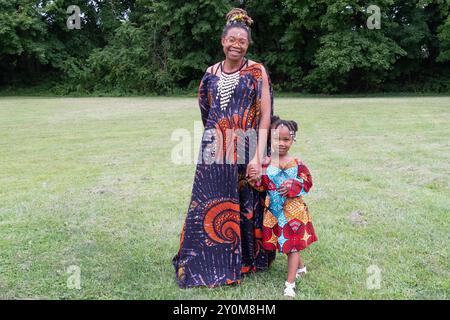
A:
x: 254, y: 170
x: 253, y: 174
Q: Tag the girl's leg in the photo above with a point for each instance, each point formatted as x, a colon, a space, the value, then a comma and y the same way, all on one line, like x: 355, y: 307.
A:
x: 301, y: 267
x: 293, y: 263
x: 300, y: 262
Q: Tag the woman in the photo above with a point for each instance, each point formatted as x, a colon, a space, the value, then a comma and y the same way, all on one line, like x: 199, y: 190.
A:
x: 222, y: 235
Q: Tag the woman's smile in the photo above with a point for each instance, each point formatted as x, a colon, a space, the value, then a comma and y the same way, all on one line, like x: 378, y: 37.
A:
x: 235, y: 52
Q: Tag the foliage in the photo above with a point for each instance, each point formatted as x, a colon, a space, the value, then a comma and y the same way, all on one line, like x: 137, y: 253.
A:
x: 162, y: 46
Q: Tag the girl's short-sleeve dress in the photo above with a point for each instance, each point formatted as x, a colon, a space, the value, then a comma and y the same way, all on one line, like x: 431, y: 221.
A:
x: 287, y: 224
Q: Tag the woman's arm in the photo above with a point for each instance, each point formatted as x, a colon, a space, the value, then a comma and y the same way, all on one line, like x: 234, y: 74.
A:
x: 264, y: 122
x: 203, y: 101
x: 254, y: 167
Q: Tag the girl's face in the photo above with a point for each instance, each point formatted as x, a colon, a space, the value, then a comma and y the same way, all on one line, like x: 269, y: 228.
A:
x: 235, y: 44
x: 281, y: 140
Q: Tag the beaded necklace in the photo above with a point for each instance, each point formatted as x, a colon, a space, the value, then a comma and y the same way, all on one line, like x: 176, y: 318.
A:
x: 226, y: 84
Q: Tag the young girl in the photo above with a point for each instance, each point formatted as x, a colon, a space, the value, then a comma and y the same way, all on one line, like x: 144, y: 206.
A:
x: 287, y: 224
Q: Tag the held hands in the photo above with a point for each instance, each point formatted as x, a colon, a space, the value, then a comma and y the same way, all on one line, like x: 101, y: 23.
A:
x: 254, y: 170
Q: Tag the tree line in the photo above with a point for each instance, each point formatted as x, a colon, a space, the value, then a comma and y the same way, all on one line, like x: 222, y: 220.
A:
x: 164, y: 47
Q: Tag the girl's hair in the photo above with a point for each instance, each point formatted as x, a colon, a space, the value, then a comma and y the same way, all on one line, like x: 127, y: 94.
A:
x: 238, y: 18
x: 275, y: 122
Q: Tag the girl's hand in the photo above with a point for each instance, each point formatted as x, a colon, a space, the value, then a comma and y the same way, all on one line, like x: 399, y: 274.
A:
x: 290, y: 188
x: 283, y: 190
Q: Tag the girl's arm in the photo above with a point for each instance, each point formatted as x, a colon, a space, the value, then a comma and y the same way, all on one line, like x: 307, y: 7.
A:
x: 301, y: 184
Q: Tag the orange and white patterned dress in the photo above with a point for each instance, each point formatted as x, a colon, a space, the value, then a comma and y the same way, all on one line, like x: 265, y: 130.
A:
x: 287, y: 224
x: 221, y: 239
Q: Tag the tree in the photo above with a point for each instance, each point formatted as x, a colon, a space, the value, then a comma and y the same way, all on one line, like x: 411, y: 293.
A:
x: 161, y: 46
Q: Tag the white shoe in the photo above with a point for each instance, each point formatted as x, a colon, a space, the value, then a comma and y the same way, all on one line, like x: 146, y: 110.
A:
x: 300, y: 272
x: 289, y: 291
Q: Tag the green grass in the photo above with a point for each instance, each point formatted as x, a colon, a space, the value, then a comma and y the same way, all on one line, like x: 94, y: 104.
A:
x: 89, y: 182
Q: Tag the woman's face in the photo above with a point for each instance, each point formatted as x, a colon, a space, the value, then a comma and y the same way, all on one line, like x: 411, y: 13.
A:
x: 235, y: 44
x: 281, y: 140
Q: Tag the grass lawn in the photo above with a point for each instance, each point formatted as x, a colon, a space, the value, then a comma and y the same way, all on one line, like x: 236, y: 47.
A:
x: 88, y: 182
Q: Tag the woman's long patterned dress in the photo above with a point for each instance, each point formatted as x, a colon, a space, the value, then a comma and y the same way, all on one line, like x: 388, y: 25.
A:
x: 222, y: 235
